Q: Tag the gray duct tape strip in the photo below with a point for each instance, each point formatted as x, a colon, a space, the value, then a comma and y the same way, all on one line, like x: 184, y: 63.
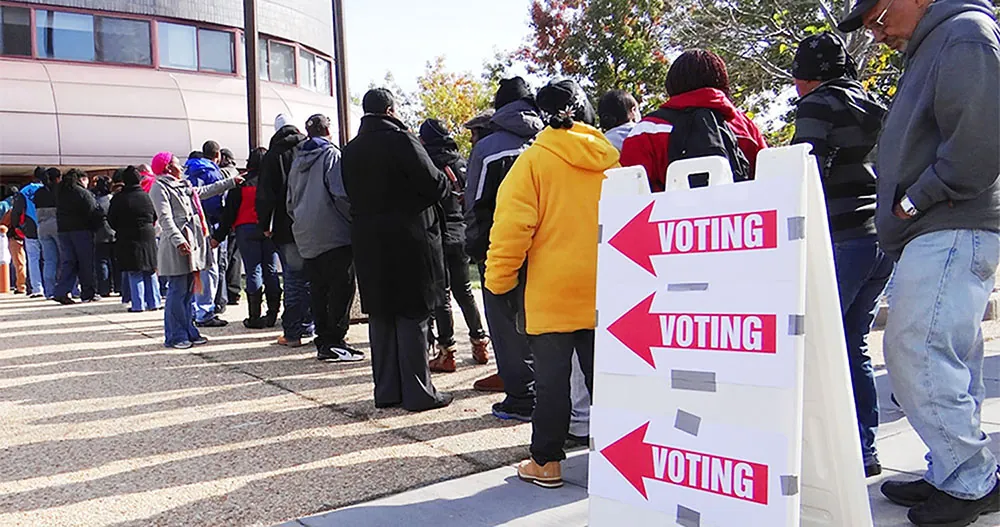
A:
x: 597, y: 317
x: 600, y: 234
x: 687, y: 423
x: 687, y: 517
x: 789, y: 485
x: 686, y: 288
x: 696, y: 381
x: 796, y: 325
x: 796, y: 228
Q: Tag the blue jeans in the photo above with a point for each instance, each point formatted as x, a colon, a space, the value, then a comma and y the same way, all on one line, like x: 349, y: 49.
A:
x: 862, y: 273
x: 204, y: 302
x: 260, y: 259
x: 934, y: 351
x: 33, y: 248
x: 297, y: 322
x: 144, y: 291
x: 50, y: 264
x: 76, y: 250
x: 179, y: 311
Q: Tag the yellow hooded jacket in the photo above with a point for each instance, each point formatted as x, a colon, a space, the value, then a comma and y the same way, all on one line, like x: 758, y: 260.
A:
x: 546, y: 214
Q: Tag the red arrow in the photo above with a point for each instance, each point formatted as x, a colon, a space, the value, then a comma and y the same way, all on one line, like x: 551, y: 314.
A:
x: 639, y: 239
x: 636, y: 459
x: 639, y: 330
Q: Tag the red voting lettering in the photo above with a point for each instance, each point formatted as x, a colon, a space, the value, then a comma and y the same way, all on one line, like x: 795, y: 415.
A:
x: 640, y: 330
x: 643, y: 238
x: 637, y: 460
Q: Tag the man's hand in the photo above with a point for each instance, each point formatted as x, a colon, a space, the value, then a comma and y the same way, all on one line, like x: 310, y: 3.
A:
x: 267, y: 234
x: 184, y: 248
x: 239, y: 180
x: 897, y: 210
x: 214, y: 243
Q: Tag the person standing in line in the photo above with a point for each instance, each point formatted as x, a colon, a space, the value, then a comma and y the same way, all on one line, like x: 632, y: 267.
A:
x: 938, y: 216
x: 443, y: 150
x: 78, y: 216
x: 514, y: 125
x: 104, y: 241
x: 273, y: 220
x: 230, y: 295
x: 260, y: 257
x: 182, y: 251
x: 543, y: 259
x: 841, y: 121
x: 619, y: 113
x: 15, y: 243
x: 393, y: 188
x: 202, y: 170
x: 48, y: 230
x: 132, y: 216
x: 322, y: 232
x: 25, y: 212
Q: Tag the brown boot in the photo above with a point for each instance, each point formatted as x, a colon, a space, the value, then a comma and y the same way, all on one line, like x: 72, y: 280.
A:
x: 493, y: 383
x: 548, y: 476
x: 445, y: 361
x: 480, y: 350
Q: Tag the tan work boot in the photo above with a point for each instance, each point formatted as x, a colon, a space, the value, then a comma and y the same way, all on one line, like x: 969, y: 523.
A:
x: 445, y: 361
x: 291, y: 343
x: 493, y: 383
x: 480, y: 350
x: 548, y: 476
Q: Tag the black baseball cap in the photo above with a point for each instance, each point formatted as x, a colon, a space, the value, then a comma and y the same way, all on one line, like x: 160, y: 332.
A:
x: 855, y: 19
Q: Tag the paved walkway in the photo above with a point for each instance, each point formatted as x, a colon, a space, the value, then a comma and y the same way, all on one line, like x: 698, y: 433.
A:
x: 103, y: 426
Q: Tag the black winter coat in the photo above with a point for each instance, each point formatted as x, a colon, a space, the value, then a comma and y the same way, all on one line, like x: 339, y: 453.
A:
x: 396, y: 232
x: 133, y: 218
x: 445, y: 154
x: 77, y: 210
x: 272, y: 212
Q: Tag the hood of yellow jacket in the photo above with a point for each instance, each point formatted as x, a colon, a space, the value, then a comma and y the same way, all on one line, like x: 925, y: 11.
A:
x: 582, y: 146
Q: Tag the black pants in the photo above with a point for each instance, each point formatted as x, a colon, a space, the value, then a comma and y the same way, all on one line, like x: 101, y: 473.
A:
x: 513, y: 354
x: 331, y: 290
x: 460, y: 285
x: 553, y: 353
x: 234, y: 269
x: 399, y: 362
x: 104, y: 268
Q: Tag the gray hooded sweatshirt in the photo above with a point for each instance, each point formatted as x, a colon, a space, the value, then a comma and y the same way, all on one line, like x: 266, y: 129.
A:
x: 939, y: 145
x: 317, y: 202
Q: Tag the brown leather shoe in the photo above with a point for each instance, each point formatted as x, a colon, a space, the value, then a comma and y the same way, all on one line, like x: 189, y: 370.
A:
x: 291, y: 343
x: 548, y: 476
x: 493, y: 383
x: 480, y: 350
x: 445, y: 361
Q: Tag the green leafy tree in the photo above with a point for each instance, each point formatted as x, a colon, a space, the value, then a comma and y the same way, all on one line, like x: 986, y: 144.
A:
x: 454, y: 98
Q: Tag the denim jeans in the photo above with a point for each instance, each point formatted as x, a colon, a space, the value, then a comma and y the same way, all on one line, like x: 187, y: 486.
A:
x: 204, y: 302
x: 50, y: 264
x: 862, y: 273
x: 297, y: 321
x: 127, y: 288
x: 934, y: 351
x: 553, y: 354
x: 33, y: 248
x: 260, y: 259
x: 144, y: 291
x: 76, y: 250
x: 179, y: 311
x: 104, y: 267
x: 514, y: 362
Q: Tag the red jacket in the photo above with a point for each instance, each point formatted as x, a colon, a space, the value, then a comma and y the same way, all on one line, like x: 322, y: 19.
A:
x: 647, y: 144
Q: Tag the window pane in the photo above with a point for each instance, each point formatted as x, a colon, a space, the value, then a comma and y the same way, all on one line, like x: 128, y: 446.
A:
x: 282, y: 61
x: 15, y: 31
x: 262, y: 59
x: 323, y: 76
x: 68, y: 36
x: 123, y: 41
x: 177, y: 46
x: 215, y: 49
x: 307, y: 69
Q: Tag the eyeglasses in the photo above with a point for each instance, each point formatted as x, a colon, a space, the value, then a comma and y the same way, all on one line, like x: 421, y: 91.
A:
x: 879, y: 23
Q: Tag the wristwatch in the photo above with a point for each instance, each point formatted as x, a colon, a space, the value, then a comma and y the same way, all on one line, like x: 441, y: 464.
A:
x: 908, y: 207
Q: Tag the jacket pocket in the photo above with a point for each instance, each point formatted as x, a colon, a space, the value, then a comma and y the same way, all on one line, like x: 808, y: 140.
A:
x: 985, y: 254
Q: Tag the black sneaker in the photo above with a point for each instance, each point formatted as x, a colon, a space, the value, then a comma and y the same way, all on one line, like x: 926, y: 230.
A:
x: 95, y: 298
x: 873, y: 470
x: 214, y: 322
x: 339, y: 353
x: 908, y: 493
x: 502, y: 412
x: 64, y: 300
x: 942, y: 510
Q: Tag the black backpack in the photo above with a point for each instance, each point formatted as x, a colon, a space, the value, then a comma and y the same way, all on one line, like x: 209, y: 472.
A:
x: 702, y: 132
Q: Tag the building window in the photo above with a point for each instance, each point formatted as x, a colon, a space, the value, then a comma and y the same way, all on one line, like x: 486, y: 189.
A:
x: 215, y: 50
x: 123, y: 41
x: 178, y: 46
x: 314, y: 72
x: 15, y: 31
x: 262, y: 59
x: 281, y: 59
x: 67, y: 36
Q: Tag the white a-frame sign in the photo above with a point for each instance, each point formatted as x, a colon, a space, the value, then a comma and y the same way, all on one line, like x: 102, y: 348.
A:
x: 722, y: 394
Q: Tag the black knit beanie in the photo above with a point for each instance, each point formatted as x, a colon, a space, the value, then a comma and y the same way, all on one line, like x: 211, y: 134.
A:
x: 510, y: 90
x: 563, y: 102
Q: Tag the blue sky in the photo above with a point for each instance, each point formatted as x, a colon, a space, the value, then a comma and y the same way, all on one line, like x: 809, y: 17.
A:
x: 401, y: 36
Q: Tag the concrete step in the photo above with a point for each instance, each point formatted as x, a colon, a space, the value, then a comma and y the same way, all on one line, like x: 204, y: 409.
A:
x: 990, y: 314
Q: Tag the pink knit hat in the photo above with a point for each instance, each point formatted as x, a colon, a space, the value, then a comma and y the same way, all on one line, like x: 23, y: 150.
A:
x: 160, y: 162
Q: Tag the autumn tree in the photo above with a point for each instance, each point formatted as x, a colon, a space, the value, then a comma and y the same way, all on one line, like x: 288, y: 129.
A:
x: 454, y: 98
x: 604, y: 44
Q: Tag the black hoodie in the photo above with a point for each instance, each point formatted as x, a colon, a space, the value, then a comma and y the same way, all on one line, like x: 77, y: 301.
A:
x: 444, y: 153
x: 272, y: 187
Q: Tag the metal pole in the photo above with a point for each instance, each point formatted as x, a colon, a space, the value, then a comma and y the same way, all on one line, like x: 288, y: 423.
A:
x: 253, y: 77
x: 340, y: 64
